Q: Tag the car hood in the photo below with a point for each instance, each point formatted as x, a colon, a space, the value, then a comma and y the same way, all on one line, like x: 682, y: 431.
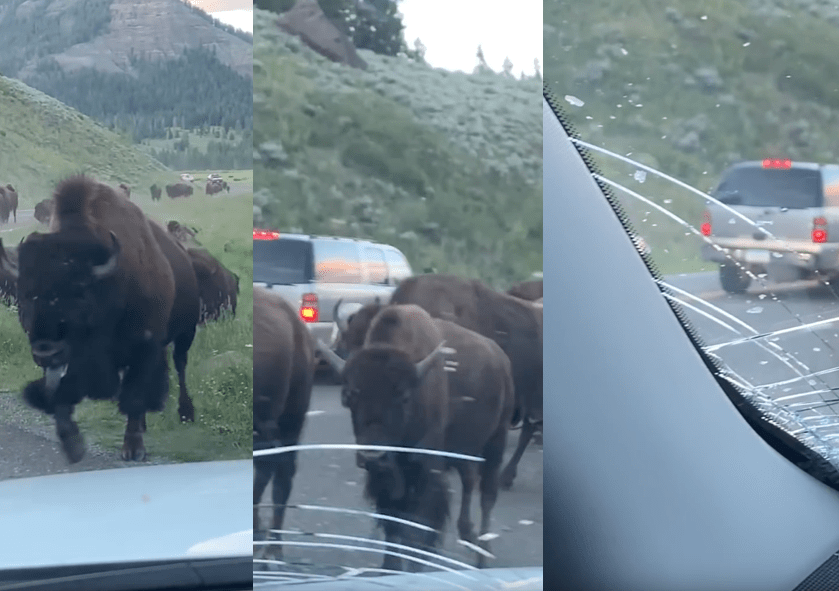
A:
x: 173, y: 511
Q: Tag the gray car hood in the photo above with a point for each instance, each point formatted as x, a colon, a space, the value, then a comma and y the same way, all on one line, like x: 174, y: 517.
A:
x: 173, y: 511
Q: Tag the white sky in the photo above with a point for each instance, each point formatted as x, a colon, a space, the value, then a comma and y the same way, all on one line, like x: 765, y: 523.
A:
x: 451, y: 31
x: 241, y: 19
x: 236, y: 13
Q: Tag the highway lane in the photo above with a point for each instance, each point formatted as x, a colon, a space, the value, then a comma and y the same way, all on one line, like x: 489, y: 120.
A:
x: 331, y: 478
x: 803, y: 319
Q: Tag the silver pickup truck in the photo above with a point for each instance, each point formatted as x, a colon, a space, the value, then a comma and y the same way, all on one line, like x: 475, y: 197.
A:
x: 313, y: 273
x: 794, y: 207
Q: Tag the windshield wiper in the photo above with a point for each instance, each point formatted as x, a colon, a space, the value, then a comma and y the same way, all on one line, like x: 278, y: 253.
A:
x: 216, y: 573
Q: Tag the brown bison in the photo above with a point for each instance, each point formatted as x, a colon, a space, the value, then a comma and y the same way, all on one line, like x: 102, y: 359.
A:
x: 527, y: 290
x: 156, y: 192
x: 182, y: 234
x: 11, y: 200
x: 8, y: 282
x: 178, y: 190
x: 216, y: 186
x: 481, y: 402
x: 100, y: 297
x: 397, y: 392
x: 283, y: 373
x: 43, y: 211
x: 217, y: 285
x: 126, y: 189
x: 5, y: 208
x: 514, y: 324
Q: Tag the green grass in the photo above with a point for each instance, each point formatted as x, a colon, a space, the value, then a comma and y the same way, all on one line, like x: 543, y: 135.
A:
x: 42, y: 141
x: 219, y: 373
x: 196, y: 138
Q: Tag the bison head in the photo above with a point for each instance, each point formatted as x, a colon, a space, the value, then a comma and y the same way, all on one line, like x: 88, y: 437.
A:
x: 352, y: 329
x: 379, y: 383
x: 63, y: 294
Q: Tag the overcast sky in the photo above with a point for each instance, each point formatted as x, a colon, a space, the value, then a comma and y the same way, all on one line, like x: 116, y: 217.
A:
x: 451, y: 31
x: 237, y: 13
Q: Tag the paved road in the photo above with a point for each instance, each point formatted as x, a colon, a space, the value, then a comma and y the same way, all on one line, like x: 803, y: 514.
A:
x: 25, y: 217
x: 769, y: 310
x: 331, y: 478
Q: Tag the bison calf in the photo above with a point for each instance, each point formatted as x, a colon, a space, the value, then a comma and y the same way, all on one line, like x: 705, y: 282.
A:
x: 283, y: 373
x: 43, y: 211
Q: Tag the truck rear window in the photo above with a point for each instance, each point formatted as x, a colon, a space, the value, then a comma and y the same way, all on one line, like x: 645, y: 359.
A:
x: 758, y: 187
x: 283, y: 261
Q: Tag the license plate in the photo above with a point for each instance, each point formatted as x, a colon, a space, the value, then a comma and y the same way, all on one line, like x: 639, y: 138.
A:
x: 761, y: 257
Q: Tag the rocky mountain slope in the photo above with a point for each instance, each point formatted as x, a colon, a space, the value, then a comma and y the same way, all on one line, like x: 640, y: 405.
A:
x: 106, y: 34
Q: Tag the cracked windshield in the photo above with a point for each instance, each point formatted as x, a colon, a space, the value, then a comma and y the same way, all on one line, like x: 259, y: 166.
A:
x: 125, y: 182
x: 714, y: 126
x: 397, y: 240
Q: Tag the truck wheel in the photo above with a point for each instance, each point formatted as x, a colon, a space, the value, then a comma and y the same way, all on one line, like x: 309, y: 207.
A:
x: 734, y: 279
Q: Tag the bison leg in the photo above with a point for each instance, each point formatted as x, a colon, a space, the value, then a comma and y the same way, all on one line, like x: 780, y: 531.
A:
x: 468, y: 478
x: 261, y: 478
x: 182, y: 344
x: 145, y: 386
x: 68, y: 433
x: 133, y: 448
x: 509, y: 473
x: 489, y: 468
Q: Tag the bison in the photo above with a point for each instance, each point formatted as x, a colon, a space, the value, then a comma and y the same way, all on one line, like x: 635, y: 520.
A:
x: 5, y: 207
x: 43, y: 211
x: 481, y: 402
x: 178, y: 190
x: 12, y: 201
x: 527, y: 290
x: 283, y: 374
x: 8, y: 282
x: 216, y: 186
x: 100, y: 296
x: 397, y: 393
x: 514, y: 324
x: 156, y: 192
x: 218, y: 286
x: 182, y: 234
x: 126, y: 189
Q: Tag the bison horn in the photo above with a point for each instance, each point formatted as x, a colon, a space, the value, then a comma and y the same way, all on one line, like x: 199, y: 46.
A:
x: 109, y: 266
x: 343, y: 325
x: 426, y: 364
x: 6, y: 264
x: 331, y: 357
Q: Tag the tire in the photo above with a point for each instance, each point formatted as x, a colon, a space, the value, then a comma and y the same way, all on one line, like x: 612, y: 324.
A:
x: 733, y: 279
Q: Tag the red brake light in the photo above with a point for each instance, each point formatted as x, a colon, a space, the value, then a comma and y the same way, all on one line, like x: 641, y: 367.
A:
x: 705, y: 228
x: 309, y: 307
x: 265, y: 235
x: 819, y: 233
x: 777, y: 163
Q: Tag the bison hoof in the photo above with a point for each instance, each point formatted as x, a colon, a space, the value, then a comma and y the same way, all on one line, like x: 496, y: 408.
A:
x: 187, y: 413
x: 73, y: 447
x: 506, y: 480
x: 133, y: 450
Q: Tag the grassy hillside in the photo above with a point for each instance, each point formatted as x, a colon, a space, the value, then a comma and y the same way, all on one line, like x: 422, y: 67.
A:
x: 139, y: 69
x: 690, y: 88
x: 42, y: 140
x: 445, y: 166
x: 219, y: 373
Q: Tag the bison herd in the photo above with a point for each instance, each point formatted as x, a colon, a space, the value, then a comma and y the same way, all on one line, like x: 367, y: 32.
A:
x: 448, y: 367
x: 100, y: 296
